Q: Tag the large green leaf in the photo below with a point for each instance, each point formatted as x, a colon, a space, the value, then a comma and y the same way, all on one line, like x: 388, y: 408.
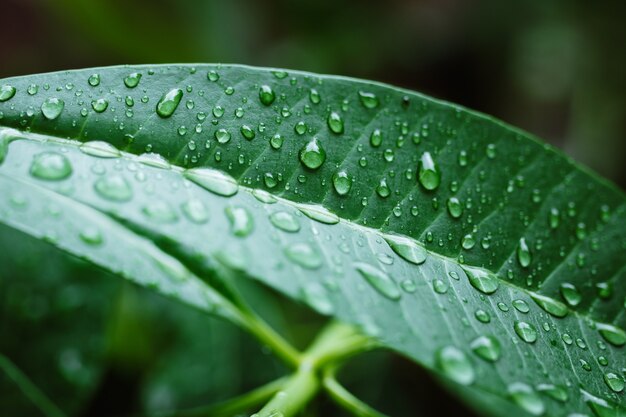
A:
x: 456, y: 240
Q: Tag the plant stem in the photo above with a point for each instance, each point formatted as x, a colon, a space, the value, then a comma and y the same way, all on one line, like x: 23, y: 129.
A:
x: 299, y: 390
x: 344, y: 398
x: 238, y: 404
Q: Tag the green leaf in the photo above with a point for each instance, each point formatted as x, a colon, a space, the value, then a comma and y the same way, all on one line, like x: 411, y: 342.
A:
x: 455, y: 239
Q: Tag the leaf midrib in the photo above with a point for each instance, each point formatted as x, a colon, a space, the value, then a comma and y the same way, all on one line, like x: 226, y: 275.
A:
x: 42, y: 138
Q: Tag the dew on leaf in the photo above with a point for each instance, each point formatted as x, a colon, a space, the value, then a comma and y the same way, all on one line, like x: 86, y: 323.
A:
x: 132, y: 79
x: 335, y: 122
x: 195, y: 211
x: 285, y: 221
x: 455, y: 208
x: 94, y: 80
x: 51, y: 108
x: 525, y: 396
x: 482, y: 316
x: 369, y: 100
x: 91, y: 236
x: 222, y: 136
x: 382, y: 189
x: 407, y: 249
x: 614, y: 381
x: 379, y: 280
x: 454, y: 364
x: 556, y: 392
x: 160, y: 212
x: 7, y: 92
x: 524, y: 256
x: 51, y: 166
x: 521, y: 306
x: 318, y: 213
x: 240, y: 219
x: 276, y: 141
x: 247, y: 132
x: 439, y: 286
x: 481, y: 279
x: 304, y: 255
x: 376, y: 138
x: 113, y: 188
x: 266, y: 95
x: 342, y: 182
x: 526, y: 331
x: 100, y: 149
x: 570, y: 294
x: 487, y: 348
x: 550, y: 305
x: 612, y: 334
x: 169, y: 102
x: 312, y: 155
x: 428, y: 173
x: 214, y: 181
x: 317, y: 297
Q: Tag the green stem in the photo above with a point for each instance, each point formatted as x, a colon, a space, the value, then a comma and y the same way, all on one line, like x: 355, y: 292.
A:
x: 238, y: 404
x: 344, y: 398
x: 299, y: 390
x: 29, y: 389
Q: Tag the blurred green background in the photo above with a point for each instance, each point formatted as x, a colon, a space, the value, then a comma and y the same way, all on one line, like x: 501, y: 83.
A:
x: 100, y: 347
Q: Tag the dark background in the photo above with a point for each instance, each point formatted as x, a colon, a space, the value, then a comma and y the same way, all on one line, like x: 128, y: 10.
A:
x: 554, y: 68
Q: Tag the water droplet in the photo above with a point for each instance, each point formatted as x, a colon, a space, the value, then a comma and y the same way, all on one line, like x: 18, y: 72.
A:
x: 212, y: 75
x: 247, y: 132
x: 453, y: 363
x: 407, y: 249
x: 614, y: 381
x: 7, y: 92
x: 52, y: 108
x: 342, y: 182
x: 317, y: 297
x: 408, y: 285
x: 487, y: 348
x: 51, y: 166
x: 99, y: 105
x: 276, y: 141
x: 379, y: 280
x: 481, y: 279
x: 312, y: 155
x: 100, y: 149
x: 314, y: 96
x: 524, y: 256
x: 285, y: 221
x: 521, y: 306
x: 319, y: 213
x: 555, y: 392
x: 440, y: 287
x: 612, y: 334
x: 169, y: 102
x: 526, y: 331
x: 335, y: 122
x: 266, y: 95
x: 554, y: 218
x: 195, y: 211
x: 428, y: 173
x: 304, y: 255
x: 455, y: 208
x: 132, y: 79
x: 214, y: 181
x: 376, y: 138
x: 550, y: 305
x: 369, y: 100
x: 482, y: 316
x: 241, y: 222
x: 382, y: 189
x: 570, y: 294
x: 524, y: 396
x: 114, y: 188
x: 160, y: 212
x: 263, y: 196
x: 153, y: 160
x: 468, y: 241
x: 91, y: 236
x: 31, y: 90
x: 94, y: 80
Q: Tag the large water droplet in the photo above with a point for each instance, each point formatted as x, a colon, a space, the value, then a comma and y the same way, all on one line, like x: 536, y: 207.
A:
x: 407, y: 249
x: 51, y: 166
x: 100, y: 149
x: 570, y: 294
x: 382, y: 189
x: 212, y: 180
x: 132, y: 79
x: 486, y: 347
x: 550, y: 305
x: 335, y: 122
x: 266, y: 95
x: 169, y: 102
x: 304, y: 255
x: 241, y: 222
x: 51, y: 108
x: 369, y: 100
x: 481, y: 279
x: 526, y: 331
x: 318, y: 213
x: 614, y: 381
x: 91, y: 236
x: 455, y: 208
x: 7, y: 92
x: 312, y: 155
x: 455, y: 365
x: 379, y: 280
x: 612, y: 334
x: 524, y: 256
x: 376, y: 138
x: 285, y: 221
x: 114, y: 188
x: 428, y: 172
x: 99, y: 105
x: 342, y: 182
x: 195, y: 211
x: 524, y: 396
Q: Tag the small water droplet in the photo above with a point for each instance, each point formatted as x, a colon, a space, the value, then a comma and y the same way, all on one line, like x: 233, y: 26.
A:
x: 214, y: 181
x: 160, y: 212
x: 524, y: 256
x: 132, y: 79
x: 454, y: 364
x: 114, y: 188
x: 455, y: 208
x: 319, y: 213
x: 555, y: 392
x: 369, y: 100
x: 99, y: 105
x: 342, y: 182
x: 169, y: 102
x: 376, y: 138
x: 482, y: 316
x: 379, y: 280
x: 335, y: 122
x: 612, y: 334
x: 314, y: 96
x: 195, y: 211
x: 241, y: 222
x: 428, y: 172
x: 382, y: 189
x: 100, y: 149
x: 304, y: 255
x: 94, y: 80
x: 526, y: 331
x: 247, y: 132
x: 439, y: 286
x: 276, y: 141
x: 550, y: 305
x: 521, y: 306
x: 7, y: 92
x: 570, y: 294
x: 52, y: 108
x: 91, y: 236
x: 614, y: 381
x: 312, y: 155
x: 51, y: 166
x: 212, y: 75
